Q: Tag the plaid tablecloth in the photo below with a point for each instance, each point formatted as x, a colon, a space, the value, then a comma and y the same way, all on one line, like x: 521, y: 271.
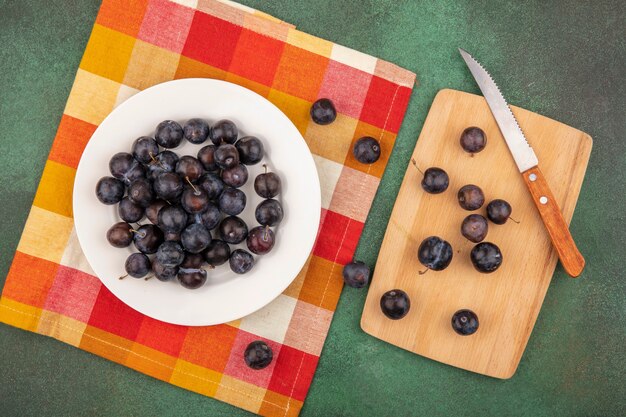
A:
x: 50, y: 288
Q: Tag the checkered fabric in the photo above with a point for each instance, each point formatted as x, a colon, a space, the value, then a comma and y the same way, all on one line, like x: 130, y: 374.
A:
x: 50, y: 288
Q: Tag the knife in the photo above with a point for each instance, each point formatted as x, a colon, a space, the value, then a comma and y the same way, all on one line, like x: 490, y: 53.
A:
x: 527, y: 163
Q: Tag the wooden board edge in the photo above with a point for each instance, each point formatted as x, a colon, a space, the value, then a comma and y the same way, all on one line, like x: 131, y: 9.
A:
x: 363, y: 325
x: 441, y: 93
x: 502, y: 376
x: 585, y: 147
x: 584, y: 154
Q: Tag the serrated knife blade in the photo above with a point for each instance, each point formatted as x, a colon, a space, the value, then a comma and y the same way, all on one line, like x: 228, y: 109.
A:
x: 527, y: 163
x: 523, y: 153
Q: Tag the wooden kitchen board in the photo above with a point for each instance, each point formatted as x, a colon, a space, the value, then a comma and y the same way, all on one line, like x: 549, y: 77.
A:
x: 507, y: 301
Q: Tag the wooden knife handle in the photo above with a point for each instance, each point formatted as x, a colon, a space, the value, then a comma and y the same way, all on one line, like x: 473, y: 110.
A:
x: 571, y: 259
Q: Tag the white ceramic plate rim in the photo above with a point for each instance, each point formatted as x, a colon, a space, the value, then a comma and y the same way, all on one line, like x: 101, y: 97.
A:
x: 226, y: 296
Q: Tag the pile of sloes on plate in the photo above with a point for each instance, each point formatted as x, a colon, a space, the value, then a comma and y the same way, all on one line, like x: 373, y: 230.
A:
x: 434, y: 252
x: 185, y: 198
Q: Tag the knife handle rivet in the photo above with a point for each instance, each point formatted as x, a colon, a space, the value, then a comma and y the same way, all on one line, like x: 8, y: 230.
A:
x: 532, y: 177
x: 543, y: 199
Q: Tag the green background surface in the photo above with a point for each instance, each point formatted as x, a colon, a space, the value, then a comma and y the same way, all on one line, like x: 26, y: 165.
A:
x: 565, y: 60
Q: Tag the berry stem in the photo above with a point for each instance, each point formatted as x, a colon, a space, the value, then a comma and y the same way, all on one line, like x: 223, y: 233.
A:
x: 424, y: 271
x: 195, y: 190
x: 141, y: 234
x: 265, y: 168
x: 123, y: 276
x: 156, y: 161
x: 148, y: 277
x: 513, y: 220
x: 415, y: 165
x: 267, y: 228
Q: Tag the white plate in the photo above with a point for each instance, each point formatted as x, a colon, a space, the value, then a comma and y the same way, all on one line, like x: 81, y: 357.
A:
x: 226, y: 296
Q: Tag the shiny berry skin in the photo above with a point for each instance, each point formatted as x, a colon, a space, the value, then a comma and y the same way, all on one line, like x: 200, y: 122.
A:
x: 170, y: 253
x: 267, y: 185
x: 499, y: 211
x: 209, y: 218
x: 189, y: 167
x: 152, y: 172
x: 240, y: 261
x: 165, y: 162
x: 138, y: 265
x: 140, y: 192
x: 212, y: 184
x: 395, y: 304
x: 226, y: 156
x: 235, y: 176
x: 323, y: 111
x: 145, y: 149
x: 195, y: 238
x: 206, y: 156
x: 110, y: 190
x: 192, y: 260
x: 172, y: 236
x: 120, y: 235
x: 162, y: 272
x: 191, y: 278
x: 356, y: 274
x: 196, y: 131
x: 148, y: 238
x: 168, y: 186
x: 232, y: 201
x: 194, y: 201
x: 473, y: 140
x: 366, y: 150
x: 172, y: 219
x: 152, y: 211
x: 129, y: 211
x: 233, y: 230
x: 136, y: 172
x: 223, y: 131
x: 474, y: 228
x: 258, y: 355
x: 120, y: 164
x: 471, y: 197
x: 486, y: 257
x: 217, y: 252
x: 465, y: 322
x: 169, y: 134
x: 435, y: 180
x: 250, y: 150
x: 269, y: 212
x: 260, y: 240
x: 435, y: 253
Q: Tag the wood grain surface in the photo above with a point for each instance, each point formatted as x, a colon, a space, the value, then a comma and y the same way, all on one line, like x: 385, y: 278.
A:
x: 506, y: 301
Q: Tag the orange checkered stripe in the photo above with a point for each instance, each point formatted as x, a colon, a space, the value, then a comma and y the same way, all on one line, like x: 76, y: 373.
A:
x: 52, y: 290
